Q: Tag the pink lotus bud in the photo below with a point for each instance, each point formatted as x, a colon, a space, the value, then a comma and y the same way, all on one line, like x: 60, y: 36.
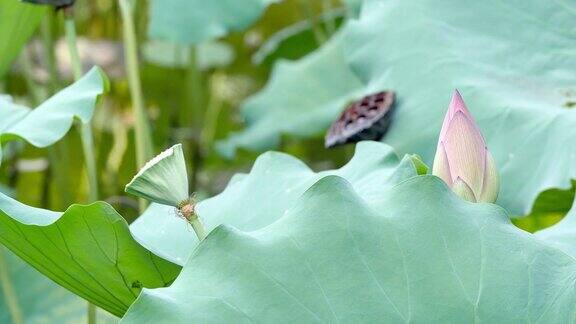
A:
x: 462, y: 159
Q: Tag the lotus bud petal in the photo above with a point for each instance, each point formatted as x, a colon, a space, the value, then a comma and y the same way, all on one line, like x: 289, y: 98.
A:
x: 462, y: 159
x: 163, y: 180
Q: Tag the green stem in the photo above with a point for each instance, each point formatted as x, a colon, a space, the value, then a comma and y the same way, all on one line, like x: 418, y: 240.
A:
x: 308, y: 11
x: 142, y: 129
x: 211, y: 119
x: 91, y: 313
x: 49, y: 51
x: 327, y: 7
x: 8, y: 290
x: 193, y: 114
x: 198, y: 228
x: 85, y: 128
x: 33, y: 88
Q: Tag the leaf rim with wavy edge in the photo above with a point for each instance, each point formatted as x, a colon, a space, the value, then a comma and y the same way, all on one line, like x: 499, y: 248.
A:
x: 91, y: 251
x: 252, y: 266
x: 76, y: 101
x: 374, y: 165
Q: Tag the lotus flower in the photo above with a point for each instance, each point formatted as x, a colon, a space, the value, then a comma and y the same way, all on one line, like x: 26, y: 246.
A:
x: 462, y: 159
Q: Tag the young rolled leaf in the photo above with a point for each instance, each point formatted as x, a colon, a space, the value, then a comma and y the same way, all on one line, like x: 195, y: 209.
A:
x: 261, y: 197
x: 87, y: 249
x: 400, y: 255
x: 49, y: 122
x: 189, y: 22
x: 163, y: 179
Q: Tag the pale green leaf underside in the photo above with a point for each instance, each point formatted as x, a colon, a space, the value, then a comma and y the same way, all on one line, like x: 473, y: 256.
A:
x: 87, y: 249
x: 38, y: 298
x: 258, y: 199
x: 413, y: 252
x: 189, y: 22
x: 49, y: 122
x: 492, y: 51
x: 18, y: 21
x: 301, y: 99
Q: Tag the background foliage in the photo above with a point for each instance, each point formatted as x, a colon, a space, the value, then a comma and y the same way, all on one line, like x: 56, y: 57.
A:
x: 232, y: 80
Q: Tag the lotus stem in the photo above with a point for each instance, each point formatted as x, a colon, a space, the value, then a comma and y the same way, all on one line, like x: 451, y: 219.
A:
x: 26, y: 62
x: 308, y: 11
x: 142, y: 129
x: 85, y: 128
x: 49, y: 51
x: 211, y: 119
x: 8, y: 290
x: 327, y: 7
x: 187, y: 210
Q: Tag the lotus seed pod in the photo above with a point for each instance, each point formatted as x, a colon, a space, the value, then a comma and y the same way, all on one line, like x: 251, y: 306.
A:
x: 462, y: 159
x: 163, y: 179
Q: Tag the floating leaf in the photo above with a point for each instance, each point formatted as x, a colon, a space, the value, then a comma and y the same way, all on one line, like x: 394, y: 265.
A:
x: 492, y: 52
x: 301, y: 99
x: 190, y: 22
x: 50, y: 121
x: 39, y: 299
x: 260, y: 198
x: 18, y: 21
x: 413, y: 252
x: 87, y: 249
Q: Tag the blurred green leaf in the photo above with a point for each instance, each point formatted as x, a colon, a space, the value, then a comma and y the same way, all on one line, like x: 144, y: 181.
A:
x: 50, y: 121
x: 260, y: 198
x: 210, y: 54
x: 39, y: 299
x: 301, y: 99
x: 411, y: 252
x: 297, y: 38
x: 188, y: 22
x: 87, y: 249
x: 18, y: 21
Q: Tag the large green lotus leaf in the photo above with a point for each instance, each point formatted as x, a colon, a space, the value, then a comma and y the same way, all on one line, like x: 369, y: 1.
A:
x: 38, y: 299
x: 494, y: 53
x: 194, y: 21
x: 87, y: 249
x: 563, y: 234
x: 18, y: 21
x: 255, y: 200
x: 301, y: 99
x: 413, y: 252
x: 50, y: 121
